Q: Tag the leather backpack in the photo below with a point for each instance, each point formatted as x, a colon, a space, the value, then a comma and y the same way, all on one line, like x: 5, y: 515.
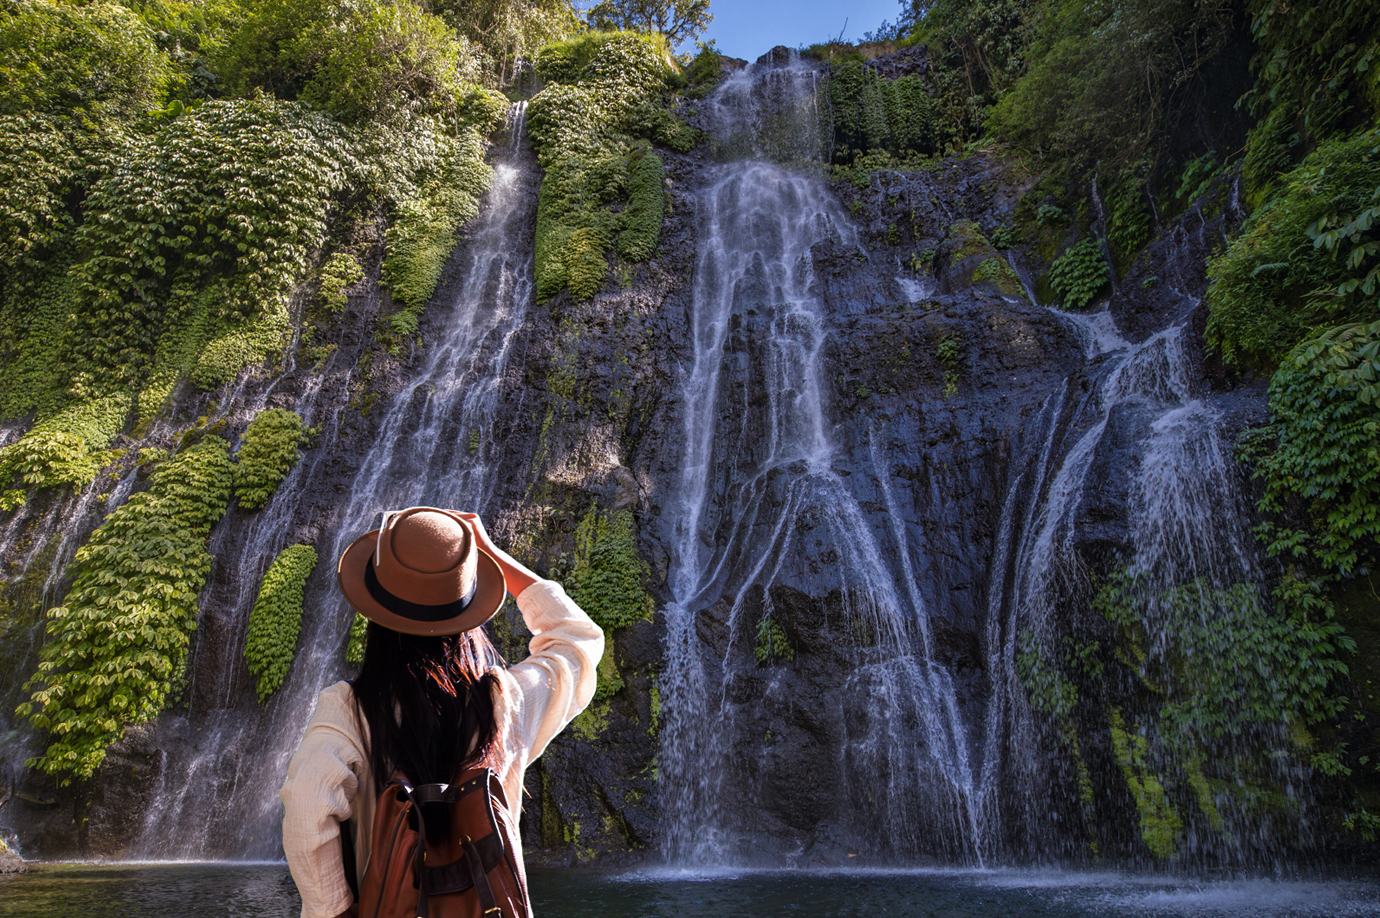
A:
x: 473, y: 872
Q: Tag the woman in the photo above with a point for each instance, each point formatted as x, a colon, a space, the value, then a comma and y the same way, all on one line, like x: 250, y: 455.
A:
x: 431, y: 698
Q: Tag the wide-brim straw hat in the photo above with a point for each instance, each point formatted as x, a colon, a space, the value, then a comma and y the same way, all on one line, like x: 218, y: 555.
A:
x: 422, y: 572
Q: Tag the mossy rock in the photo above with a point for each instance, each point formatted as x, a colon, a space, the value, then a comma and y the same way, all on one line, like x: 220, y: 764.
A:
x: 967, y: 241
x: 998, y: 272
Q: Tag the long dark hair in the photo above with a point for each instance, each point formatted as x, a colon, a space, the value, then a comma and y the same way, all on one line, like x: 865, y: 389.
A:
x: 428, y: 702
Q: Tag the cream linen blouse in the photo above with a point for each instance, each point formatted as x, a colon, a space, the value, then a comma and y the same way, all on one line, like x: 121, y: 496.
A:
x: 329, y: 778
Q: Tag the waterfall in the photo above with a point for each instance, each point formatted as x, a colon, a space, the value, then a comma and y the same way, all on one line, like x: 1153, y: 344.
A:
x: 217, y: 795
x: 760, y: 514
x: 1185, y: 525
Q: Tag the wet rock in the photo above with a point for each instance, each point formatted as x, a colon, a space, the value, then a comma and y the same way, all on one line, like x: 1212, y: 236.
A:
x: 11, y: 862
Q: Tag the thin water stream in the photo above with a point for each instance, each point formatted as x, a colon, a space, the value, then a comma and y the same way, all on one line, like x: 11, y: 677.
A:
x: 217, y: 794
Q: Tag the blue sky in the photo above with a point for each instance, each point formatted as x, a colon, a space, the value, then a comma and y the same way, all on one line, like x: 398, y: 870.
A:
x: 750, y: 28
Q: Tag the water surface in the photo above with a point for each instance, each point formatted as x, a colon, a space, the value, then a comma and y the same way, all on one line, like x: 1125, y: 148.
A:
x: 263, y: 890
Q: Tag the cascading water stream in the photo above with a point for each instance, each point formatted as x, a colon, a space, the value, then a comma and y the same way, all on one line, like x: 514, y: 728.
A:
x: 1186, y: 524
x: 217, y: 796
x: 760, y: 507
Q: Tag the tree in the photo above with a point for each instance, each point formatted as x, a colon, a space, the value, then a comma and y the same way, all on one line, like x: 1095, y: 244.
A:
x: 679, y: 20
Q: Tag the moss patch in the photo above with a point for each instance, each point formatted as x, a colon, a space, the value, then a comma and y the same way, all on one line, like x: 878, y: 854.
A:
x: 606, y: 580
x: 1160, y: 825
x: 997, y: 272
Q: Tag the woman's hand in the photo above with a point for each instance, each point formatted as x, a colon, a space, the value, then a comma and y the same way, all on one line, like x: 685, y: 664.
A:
x: 516, y: 575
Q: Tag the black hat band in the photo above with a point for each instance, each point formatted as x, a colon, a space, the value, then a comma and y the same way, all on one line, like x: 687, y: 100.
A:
x: 416, y: 611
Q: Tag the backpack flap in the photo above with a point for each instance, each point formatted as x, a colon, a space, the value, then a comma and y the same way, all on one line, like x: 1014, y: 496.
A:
x: 469, y: 871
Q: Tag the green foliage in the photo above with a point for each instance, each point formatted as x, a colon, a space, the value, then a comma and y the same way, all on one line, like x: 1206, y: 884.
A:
x: 67, y: 448
x: 1270, y: 669
x: 242, y: 344
x: 1305, y: 260
x: 646, y: 208
x: 705, y: 72
x: 606, y: 580
x: 121, y: 635
x: 201, y: 229
x: 1101, y: 82
x: 267, y: 454
x: 679, y: 21
x: 949, y: 350
x: 772, y: 643
x: 999, y: 273
x: 1079, y: 273
x: 271, y: 640
x: 968, y: 240
x: 1050, y: 215
x: 871, y: 113
x: 354, y: 644
x: 99, y: 59
x: 1005, y: 236
x: 425, y: 221
x: 508, y: 32
x: 1272, y: 672
x: 341, y: 270
x: 1131, y: 221
x: 604, y: 89
x: 1052, y: 693
x: 608, y: 680
x: 1325, y: 403
x: 1160, y: 825
x: 371, y: 60
x: 39, y: 168
x: 986, y: 41
x: 1315, y: 78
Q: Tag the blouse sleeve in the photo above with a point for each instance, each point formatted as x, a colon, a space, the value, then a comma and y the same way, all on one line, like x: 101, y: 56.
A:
x: 322, y: 779
x: 556, y: 682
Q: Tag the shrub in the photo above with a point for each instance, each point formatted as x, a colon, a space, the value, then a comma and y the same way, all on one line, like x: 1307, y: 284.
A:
x: 359, y: 61
x: 40, y: 168
x: 1314, y: 79
x: 1272, y: 672
x: 772, y: 643
x: 354, y: 643
x: 1305, y: 260
x: 271, y: 640
x: 121, y: 635
x: 426, y: 219
x: 268, y: 453
x: 1325, y: 407
x: 68, y: 448
x: 646, y: 207
x: 1100, y: 82
x: 58, y: 58
x: 871, y: 113
x: 1078, y: 274
x: 1269, y: 669
x: 604, y: 90
x: 203, y: 226
x: 342, y: 270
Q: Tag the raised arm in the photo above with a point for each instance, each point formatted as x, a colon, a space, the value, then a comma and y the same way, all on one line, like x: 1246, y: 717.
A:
x: 516, y: 575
